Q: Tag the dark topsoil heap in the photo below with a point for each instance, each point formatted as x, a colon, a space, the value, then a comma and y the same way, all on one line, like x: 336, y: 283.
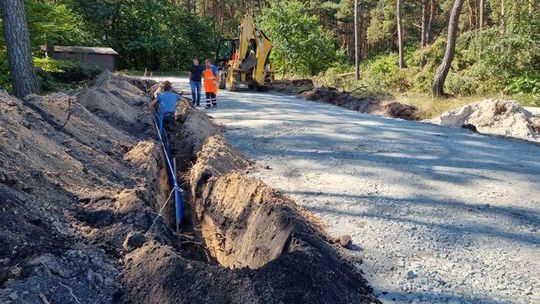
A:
x: 79, y: 198
x: 305, y: 88
x: 75, y: 179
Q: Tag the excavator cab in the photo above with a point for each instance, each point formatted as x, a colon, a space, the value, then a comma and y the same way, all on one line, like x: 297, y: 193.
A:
x: 224, y: 54
x: 244, y: 61
x: 225, y: 51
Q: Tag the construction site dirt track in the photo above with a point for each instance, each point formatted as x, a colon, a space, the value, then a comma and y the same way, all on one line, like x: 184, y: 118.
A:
x: 82, y: 180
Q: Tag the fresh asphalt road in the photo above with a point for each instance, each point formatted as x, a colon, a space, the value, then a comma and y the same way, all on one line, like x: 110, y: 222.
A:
x: 438, y: 214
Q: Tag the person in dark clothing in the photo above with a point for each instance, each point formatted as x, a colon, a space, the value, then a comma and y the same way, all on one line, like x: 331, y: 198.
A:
x: 195, y: 78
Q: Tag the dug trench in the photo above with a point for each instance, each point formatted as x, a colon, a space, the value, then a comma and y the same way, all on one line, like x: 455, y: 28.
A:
x: 81, y: 201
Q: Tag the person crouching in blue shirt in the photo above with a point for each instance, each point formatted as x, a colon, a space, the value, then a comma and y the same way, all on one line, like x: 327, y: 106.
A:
x: 167, y: 107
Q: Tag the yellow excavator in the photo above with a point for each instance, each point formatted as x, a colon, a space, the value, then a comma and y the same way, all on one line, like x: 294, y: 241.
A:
x: 244, y: 61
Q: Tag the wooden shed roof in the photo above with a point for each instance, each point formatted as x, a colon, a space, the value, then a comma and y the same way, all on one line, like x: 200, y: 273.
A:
x: 80, y: 49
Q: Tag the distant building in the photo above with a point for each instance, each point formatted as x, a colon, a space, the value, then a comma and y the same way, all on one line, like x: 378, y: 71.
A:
x: 104, y: 57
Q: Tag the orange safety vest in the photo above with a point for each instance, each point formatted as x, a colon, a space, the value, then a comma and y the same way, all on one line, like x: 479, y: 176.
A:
x: 209, y: 81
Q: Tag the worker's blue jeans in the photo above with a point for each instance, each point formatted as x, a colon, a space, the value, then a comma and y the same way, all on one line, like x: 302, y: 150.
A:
x: 195, y: 92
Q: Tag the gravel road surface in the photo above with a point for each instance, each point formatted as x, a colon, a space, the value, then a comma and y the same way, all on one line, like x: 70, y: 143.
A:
x: 438, y: 214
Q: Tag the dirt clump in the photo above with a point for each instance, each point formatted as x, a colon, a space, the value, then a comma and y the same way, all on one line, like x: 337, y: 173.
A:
x: 364, y: 105
x: 344, y: 241
x: 498, y: 117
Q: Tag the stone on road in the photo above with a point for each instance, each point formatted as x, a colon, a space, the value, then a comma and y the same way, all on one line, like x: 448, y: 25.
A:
x: 438, y: 214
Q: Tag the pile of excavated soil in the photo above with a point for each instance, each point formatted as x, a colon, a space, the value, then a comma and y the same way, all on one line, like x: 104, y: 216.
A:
x: 78, y: 176
x: 363, y: 105
x: 499, y: 117
x: 293, y: 86
x: 108, y: 99
x: 259, y: 247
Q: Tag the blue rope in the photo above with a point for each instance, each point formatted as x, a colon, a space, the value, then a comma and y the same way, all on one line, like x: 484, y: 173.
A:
x: 173, y: 182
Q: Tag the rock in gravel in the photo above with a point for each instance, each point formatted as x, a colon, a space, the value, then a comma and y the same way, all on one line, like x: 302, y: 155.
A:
x: 109, y: 281
x: 98, y: 278
x: 345, y: 241
x: 90, y: 275
x: 411, y: 275
x: 14, y: 296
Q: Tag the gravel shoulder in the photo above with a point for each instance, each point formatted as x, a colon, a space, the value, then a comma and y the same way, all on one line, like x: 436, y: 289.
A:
x: 438, y: 214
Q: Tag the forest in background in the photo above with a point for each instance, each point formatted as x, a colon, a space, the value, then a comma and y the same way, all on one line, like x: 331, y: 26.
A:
x: 497, y: 49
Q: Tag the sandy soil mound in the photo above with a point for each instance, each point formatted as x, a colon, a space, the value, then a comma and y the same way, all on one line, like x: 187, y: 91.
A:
x: 195, y: 128
x: 500, y: 117
x: 363, y: 105
x: 115, y: 100
x: 74, y: 183
x: 258, y: 245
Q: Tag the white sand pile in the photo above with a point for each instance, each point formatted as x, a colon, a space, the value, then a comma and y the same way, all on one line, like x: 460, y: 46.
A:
x: 500, y: 117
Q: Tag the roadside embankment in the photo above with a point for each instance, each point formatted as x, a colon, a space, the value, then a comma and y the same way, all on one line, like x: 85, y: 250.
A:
x: 306, y: 89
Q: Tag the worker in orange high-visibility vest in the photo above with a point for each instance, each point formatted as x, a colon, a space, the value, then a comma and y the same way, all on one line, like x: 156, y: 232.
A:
x: 211, y: 83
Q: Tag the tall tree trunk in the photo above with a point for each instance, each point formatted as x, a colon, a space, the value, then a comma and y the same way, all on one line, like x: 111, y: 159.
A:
x: 424, y: 29
x: 431, y: 22
x: 481, y: 14
x: 502, y: 16
x: 364, y: 46
x: 425, y: 21
x: 356, y: 40
x: 472, y: 15
x: 21, y: 67
x: 442, y: 70
x: 400, y: 34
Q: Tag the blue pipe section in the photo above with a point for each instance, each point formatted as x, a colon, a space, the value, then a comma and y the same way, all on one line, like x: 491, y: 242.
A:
x: 173, y: 182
